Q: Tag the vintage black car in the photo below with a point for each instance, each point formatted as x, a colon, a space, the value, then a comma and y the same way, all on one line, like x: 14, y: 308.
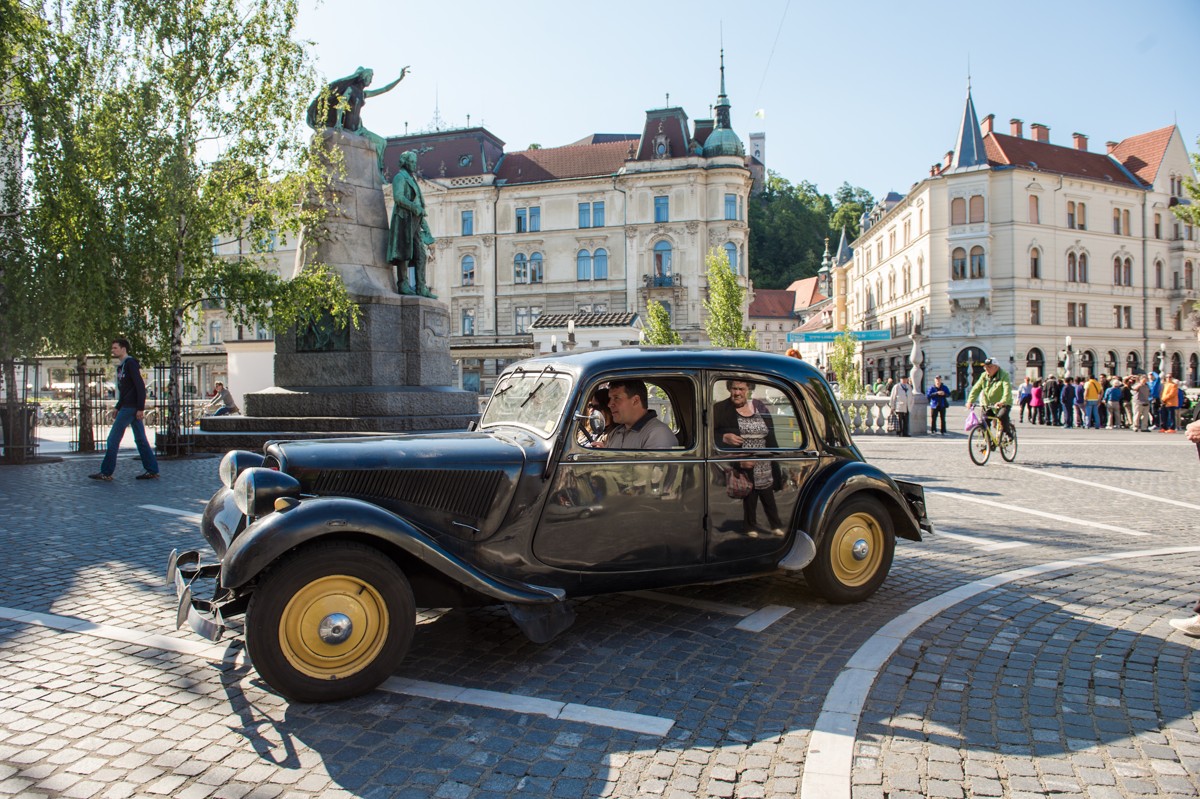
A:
x: 328, y: 547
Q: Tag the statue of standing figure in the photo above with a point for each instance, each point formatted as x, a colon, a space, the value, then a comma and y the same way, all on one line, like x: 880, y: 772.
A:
x: 409, y: 233
x: 339, y: 105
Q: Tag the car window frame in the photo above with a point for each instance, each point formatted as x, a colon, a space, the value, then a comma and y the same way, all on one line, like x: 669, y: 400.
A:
x: 799, y: 407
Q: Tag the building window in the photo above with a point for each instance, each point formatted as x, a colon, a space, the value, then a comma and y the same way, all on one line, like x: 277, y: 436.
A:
x: 520, y: 268
x: 1158, y: 319
x: 1125, y: 225
x: 583, y: 265
x: 1082, y: 322
x: 1117, y: 271
x: 591, y: 214
x: 977, y: 208
x: 1128, y: 317
x: 1158, y: 275
x: 1127, y: 272
x: 958, y: 264
x: 958, y: 211
x: 468, y: 223
x: 1035, y: 312
x: 1081, y: 216
x: 262, y: 332
x: 529, y: 220
x: 1035, y: 216
x: 1158, y: 226
x: 1117, y: 221
x: 1072, y: 268
x: 662, y: 259
x: 1071, y: 215
x: 662, y: 209
x: 731, y: 206
x: 732, y: 254
x: 1188, y: 275
x: 468, y: 321
x: 214, y: 332
x: 535, y: 268
x: 978, y: 267
x: 522, y: 220
x: 468, y: 270
x: 1083, y: 268
x: 1035, y: 264
x: 600, y: 265
x: 526, y: 316
x: 598, y: 214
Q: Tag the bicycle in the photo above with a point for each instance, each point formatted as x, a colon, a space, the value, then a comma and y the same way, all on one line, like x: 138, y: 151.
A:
x: 988, y: 436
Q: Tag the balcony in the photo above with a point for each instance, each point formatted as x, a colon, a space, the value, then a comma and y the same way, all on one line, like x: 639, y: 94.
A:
x: 661, y: 281
x: 969, y: 294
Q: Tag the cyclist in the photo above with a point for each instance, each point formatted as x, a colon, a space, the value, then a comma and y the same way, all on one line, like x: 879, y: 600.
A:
x: 994, y: 391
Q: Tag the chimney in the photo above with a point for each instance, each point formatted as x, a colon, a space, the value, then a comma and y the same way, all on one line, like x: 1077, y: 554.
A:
x: 986, y: 125
x: 1111, y: 145
x: 1080, y: 141
x: 948, y: 160
x: 1016, y: 127
x: 1040, y: 132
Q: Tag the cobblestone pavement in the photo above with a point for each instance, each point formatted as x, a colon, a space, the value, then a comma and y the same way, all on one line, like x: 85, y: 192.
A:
x: 1065, y: 681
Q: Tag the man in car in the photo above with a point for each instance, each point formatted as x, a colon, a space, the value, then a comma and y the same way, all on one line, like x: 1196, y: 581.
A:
x: 636, y: 426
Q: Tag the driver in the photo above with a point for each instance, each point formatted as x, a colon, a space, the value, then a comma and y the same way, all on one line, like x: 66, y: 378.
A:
x: 636, y: 426
x: 994, y: 390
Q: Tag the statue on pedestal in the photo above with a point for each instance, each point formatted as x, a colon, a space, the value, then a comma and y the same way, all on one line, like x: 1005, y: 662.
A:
x: 339, y: 105
x: 409, y: 233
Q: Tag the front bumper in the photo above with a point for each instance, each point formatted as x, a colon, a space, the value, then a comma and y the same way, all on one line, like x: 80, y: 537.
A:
x: 202, y: 615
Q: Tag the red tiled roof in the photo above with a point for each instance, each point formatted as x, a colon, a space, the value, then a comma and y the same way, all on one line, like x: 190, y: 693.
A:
x: 1005, y: 150
x: 441, y: 154
x: 559, y: 163
x: 772, y: 303
x: 815, y: 322
x: 806, y: 292
x: 1143, y: 154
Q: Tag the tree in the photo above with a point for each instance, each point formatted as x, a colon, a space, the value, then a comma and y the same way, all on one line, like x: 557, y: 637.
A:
x: 788, y: 226
x: 658, y: 328
x: 850, y: 203
x: 841, y: 361
x: 726, y: 321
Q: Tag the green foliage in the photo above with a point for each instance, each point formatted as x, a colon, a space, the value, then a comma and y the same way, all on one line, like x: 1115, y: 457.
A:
x: 726, y: 321
x: 841, y: 361
x: 658, y: 328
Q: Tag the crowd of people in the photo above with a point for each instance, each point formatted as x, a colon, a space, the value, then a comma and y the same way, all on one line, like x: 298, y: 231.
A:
x: 1142, y: 403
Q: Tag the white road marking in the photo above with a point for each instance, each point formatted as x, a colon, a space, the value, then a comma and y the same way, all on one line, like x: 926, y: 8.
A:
x: 1018, y: 509
x: 760, y: 620
x: 1140, y: 495
x: 567, y: 711
x: 827, y: 764
x: 187, y: 515
x: 699, y: 604
x: 986, y: 544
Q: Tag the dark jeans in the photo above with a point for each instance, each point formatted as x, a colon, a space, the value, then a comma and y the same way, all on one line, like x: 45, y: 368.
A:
x: 937, y: 413
x: 750, y: 508
x: 1167, y: 419
x: 1003, y: 413
x: 1024, y: 407
x: 224, y: 409
x: 902, y: 429
x: 127, y: 417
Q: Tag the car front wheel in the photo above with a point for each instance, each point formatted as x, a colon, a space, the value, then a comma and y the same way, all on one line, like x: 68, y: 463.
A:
x: 329, y: 622
x: 855, y: 554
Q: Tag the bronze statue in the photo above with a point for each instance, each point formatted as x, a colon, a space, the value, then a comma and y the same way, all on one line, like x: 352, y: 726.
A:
x: 339, y: 105
x: 409, y: 233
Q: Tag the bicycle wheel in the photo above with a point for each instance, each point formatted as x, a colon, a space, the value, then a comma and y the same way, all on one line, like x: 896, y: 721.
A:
x: 979, y: 445
x: 1008, y: 446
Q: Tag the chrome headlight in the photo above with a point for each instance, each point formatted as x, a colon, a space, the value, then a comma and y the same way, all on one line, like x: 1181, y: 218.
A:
x: 256, y: 489
x: 235, y: 462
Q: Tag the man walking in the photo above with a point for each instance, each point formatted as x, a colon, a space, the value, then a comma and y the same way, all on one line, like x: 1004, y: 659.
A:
x: 131, y: 406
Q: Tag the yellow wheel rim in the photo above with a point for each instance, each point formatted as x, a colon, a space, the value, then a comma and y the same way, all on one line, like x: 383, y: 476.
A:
x: 333, y: 627
x: 856, y: 549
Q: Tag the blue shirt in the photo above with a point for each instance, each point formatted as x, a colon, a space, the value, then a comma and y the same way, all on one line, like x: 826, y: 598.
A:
x: 939, y: 396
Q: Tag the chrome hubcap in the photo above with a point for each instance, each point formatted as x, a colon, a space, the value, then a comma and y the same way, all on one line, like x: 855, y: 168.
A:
x: 861, y: 549
x: 335, y: 628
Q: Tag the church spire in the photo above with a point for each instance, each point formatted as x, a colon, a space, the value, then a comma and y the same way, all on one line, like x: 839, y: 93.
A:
x: 722, y: 98
x: 970, y: 150
x: 722, y: 140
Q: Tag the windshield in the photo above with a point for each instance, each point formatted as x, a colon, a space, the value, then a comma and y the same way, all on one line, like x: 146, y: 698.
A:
x: 532, y: 399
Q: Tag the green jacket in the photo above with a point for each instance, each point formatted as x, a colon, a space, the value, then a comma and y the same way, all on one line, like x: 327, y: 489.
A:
x: 992, y: 390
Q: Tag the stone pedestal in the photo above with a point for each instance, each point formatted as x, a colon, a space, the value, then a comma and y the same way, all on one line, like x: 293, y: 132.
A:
x: 393, y: 373
x: 918, y: 417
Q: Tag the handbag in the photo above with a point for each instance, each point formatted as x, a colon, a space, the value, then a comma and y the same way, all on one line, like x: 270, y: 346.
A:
x: 972, y: 422
x: 893, y: 423
x: 738, y: 484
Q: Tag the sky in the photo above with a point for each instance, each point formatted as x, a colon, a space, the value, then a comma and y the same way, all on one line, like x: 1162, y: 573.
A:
x: 865, y: 92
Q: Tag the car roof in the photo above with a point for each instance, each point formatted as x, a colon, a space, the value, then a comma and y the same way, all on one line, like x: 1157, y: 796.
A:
x: 591, y: 361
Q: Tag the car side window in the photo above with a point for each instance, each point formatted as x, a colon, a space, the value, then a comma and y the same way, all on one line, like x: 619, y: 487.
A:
x: 664, y: 421
x: 773, y: 421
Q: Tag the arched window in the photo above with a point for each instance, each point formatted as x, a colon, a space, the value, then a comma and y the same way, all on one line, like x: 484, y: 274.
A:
x: 583, y: 265
x: 892, y: 285
x: 214, y: 332
x: 600, y: 265
x: 1035, y: 264
x: 1117, y: 271
x: 958, y: 211
x: 907, y: 278
x: 977, y: 208
x: 1133, y: 363
x: 978, y: 266
x: 468, y: 270
x: 1110, y: 362
x: 535, y: 268
x: 1158, y: 272
x: 920, y: 271
x: 958, y: 264
x: 520, y: 268
x: 1072, y: 268
x: 732, y: 254
x: 1127, y: 272
x: 662, y: 259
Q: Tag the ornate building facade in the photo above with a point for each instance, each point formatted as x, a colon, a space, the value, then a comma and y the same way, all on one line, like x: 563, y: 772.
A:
x: 1046, y: 257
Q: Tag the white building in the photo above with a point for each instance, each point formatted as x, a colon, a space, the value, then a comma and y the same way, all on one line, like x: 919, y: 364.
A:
x: 1012, y: 245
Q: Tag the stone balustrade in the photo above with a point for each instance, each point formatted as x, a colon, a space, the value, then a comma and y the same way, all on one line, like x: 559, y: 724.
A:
x: 865, y: 416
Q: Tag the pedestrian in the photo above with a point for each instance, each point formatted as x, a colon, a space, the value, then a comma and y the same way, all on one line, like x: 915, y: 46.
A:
x: 1191, y: 626
x: 224, y: 397
x: 901, y: 402
x: 1025, y: 398
x: 1112, y: 398
x: 1155, y: 395
x: 1169, y: 401
x: 1035, y: 402
x: 1091, y: 401
x: 1080, y: 403
x: 939, y: 399
x: 1050, y: 395
x: 1141, y: 405
x: 1067, y: 401
x: 131, y: 407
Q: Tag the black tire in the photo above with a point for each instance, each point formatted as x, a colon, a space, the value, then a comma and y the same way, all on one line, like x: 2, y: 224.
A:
x: 1008, y: 446
x: 303, y: 590
x: 978, y: 445
x: 841, y: 572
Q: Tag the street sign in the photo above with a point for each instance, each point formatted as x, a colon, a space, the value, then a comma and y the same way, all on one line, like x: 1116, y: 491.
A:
x: 831, y: 335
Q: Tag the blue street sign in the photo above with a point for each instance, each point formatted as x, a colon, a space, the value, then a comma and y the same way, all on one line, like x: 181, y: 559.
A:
x: 831, y: 335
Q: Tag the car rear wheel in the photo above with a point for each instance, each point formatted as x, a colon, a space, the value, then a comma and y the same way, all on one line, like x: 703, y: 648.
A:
x: 855, y: 554
x: 330, y: 621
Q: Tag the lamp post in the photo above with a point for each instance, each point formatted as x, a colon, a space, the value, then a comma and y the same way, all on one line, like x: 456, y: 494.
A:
x: 554, y: 343
x: 1162, y: 357
x: 1067, y: 359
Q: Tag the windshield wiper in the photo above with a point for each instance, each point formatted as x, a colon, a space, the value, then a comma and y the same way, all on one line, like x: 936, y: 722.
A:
x: 536, y: 388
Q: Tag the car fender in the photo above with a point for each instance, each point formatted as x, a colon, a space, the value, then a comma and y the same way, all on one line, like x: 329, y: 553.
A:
x: 271, y: 536
x: 838, y: 483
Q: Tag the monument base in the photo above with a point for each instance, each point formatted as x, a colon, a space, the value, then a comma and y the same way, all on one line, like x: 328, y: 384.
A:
x: 918, y: 418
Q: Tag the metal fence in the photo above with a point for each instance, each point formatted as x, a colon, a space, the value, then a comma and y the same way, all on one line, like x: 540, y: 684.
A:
x: 20, y: 441
x: 163, y: 398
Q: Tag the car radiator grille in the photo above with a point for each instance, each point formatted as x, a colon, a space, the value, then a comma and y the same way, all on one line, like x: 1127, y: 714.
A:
x: 467, y: 493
